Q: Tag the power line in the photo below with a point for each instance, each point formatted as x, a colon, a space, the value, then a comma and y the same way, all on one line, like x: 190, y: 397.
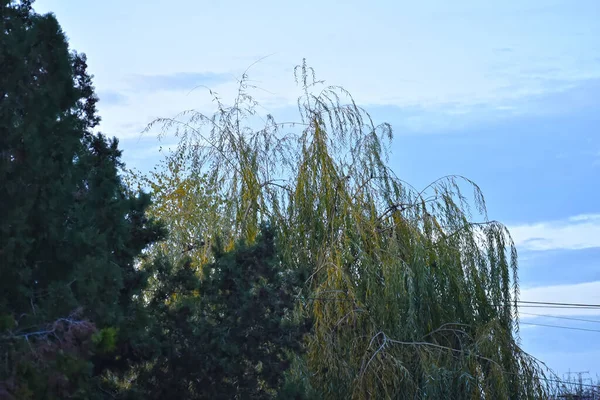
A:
x: 560, y: 317
x: 571, y: 383
x: 560, y: 327
x: 560, y: 307
x: 559, y: 304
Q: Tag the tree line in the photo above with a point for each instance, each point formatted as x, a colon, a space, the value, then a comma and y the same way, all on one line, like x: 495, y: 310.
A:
x: 286, y: 262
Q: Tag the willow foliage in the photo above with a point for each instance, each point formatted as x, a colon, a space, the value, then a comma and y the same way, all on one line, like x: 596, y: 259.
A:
x: 410, y: 299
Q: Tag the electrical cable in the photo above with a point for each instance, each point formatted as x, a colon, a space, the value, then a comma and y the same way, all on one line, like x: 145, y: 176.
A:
x: 558, y: 304
x: 560, y: 327
x: 560, y: 317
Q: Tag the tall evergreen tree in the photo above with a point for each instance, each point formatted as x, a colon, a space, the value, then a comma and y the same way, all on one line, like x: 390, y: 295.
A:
x: 69, y: 232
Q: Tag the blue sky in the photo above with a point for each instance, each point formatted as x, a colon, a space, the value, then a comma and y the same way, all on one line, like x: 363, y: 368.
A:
x: 506, y: 93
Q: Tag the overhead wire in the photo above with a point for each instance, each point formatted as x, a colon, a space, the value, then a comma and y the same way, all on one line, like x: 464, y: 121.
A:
x: 581, y: 384
x: 560, y: 307
x: 561, y: 317
x: 559, y: 304
x: 560, y: 327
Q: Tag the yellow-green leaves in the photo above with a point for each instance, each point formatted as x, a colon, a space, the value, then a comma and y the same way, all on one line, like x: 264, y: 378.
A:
x: 105, y: 340
x: 402, y: 285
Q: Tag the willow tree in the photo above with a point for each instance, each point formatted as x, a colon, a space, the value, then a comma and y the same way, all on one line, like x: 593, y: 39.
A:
x: 410, y: 298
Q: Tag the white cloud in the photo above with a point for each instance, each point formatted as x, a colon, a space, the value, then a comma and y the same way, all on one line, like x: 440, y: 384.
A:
x: 579, y: 293
x: 128, y: 121
x: 585, y: 217
x: 575, y: 233
x: 429, y: 56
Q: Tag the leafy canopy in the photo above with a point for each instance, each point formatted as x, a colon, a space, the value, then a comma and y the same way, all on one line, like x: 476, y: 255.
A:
x: 410, y: 296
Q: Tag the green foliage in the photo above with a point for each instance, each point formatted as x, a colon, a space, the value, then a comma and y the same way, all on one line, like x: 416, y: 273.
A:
x: 401, y: 292
x: 105, y: 340
x: 189, y: 208
x: 7, y: 322
x: 225, y: 336
x: 410, y: 297
x: 69, y: 233
x: 52, y: 362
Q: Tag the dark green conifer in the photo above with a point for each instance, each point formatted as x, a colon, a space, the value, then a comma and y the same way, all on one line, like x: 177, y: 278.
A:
x: 69, y: 232
x: 228, y: 335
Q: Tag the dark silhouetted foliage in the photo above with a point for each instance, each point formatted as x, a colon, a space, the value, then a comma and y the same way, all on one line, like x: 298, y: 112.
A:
x: 69, y: 232
x: 227, y: 335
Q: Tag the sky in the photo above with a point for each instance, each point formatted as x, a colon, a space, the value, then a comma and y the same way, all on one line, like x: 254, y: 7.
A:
x: 506, y: 93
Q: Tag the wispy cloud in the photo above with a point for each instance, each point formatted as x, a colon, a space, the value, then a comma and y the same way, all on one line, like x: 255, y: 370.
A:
x: 111, y: 98
x: 578, y: 232
x: 179, y: 81
x: 562, y: 98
